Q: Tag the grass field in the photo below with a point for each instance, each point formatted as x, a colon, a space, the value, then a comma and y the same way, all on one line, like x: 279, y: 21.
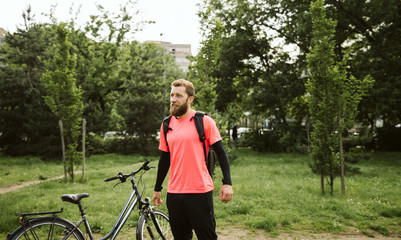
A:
x: 274, y: 192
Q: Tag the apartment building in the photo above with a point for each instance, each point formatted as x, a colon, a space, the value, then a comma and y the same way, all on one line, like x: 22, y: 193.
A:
x: 179, y: 51
x: 2, y: 35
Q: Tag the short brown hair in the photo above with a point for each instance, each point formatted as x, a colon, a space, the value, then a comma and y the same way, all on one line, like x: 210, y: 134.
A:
x: 189, y: 87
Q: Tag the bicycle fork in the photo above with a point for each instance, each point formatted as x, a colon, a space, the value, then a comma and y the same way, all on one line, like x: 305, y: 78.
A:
x: 157, y: 225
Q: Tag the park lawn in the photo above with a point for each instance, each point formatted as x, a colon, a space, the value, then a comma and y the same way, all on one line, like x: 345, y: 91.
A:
x: 15, y: 170
x: 274, y: 192
x: 279, y: 193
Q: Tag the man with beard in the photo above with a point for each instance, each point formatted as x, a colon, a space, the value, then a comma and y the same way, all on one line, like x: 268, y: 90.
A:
x: 190, y: 186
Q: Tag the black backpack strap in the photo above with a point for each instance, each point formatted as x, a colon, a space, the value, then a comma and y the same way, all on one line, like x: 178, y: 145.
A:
x: 166, y: 122
x: 198, y: 118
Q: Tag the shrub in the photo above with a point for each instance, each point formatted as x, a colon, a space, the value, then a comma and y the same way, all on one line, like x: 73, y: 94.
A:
x: 357, y: 141
x: 263, y: 141
x: 388, y: 139
x: 48, y: 148
x: 95, y: 144
x: 294, y: 141
x: 131, y: 145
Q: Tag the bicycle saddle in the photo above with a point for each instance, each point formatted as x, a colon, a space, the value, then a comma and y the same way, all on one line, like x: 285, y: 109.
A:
x: 74, y: 198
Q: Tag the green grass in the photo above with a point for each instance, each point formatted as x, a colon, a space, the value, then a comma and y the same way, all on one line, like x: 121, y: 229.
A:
x: 274, y: 192
x: 14, y: 170
x: 278, y: 193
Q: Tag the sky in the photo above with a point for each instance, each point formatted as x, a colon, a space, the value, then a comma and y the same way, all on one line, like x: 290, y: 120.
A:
x: 176, y: 21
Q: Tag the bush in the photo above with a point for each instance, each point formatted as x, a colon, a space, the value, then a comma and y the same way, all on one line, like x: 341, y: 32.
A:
x: 388, y: 139
x: 355, y: 157
x: 357, y: 141
x: 48, y: 148
x: 141, y: 145
x: 95, y: 144
x: 127, y: 145
x: 263, y: 141
x: 294, y: 141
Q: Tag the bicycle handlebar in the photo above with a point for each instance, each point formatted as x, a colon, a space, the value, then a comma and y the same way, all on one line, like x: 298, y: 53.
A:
x: 123, y: 177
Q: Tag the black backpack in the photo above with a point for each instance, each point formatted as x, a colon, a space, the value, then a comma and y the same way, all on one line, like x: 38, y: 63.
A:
x: 210, y: 157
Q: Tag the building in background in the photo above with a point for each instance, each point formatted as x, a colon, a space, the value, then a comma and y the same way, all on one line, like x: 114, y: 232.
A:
x: 2, y: 35
x: 179, y: 51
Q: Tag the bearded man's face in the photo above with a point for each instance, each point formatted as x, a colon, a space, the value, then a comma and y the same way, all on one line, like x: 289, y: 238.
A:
x: 177, y: 109
x: 178, y: 101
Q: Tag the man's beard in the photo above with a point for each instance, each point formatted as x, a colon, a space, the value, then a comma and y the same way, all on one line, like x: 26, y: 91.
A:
x: 181, y: 110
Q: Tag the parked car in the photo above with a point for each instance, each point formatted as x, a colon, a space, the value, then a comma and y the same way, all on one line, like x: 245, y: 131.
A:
x: 113, y: 134
x: 242, y: 130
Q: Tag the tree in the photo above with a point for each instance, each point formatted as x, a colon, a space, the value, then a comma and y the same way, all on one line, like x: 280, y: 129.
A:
x: 205, y: 84
x: 98, y: 49
x: 334, y: 96
x: 368, y: 30
x: 352, y: 91
x: 63, y: 96
x: 28, y: 127
x: 323, y: 88
x: 245, y: 65
x: 141, y: 103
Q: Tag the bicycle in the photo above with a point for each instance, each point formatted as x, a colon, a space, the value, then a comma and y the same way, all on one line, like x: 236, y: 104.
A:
x: 152, y: 223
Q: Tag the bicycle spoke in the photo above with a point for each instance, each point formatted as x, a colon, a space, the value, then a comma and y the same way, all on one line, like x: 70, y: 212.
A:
x: 164, y: 226
x: 160, y: 227
x: 26, y: 236
x: 155, y: 226
x: 35, y: 236
x: 149, y: 230
x: 50, y: 229
x: 50, y: 236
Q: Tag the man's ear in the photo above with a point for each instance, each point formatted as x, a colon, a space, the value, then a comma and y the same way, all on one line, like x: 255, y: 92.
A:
x: 191, y: 99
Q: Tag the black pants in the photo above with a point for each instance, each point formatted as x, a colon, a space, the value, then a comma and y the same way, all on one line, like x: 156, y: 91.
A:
x: 192, y: 211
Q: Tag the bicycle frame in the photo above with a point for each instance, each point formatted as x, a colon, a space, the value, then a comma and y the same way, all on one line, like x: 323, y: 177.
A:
x: 123, y: 217
x: 144, y: 207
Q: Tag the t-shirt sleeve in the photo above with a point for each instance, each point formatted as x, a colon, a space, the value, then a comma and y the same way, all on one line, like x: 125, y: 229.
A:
x: 211, y: 131
x: 162, y: 143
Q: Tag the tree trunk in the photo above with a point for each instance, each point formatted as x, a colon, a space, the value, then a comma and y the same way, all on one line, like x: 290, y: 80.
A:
x: 331, y: 180
x: 342, y: 166
x: 307, y: 124
x: 331, y: 183
x: 71, y: 161
x: 341, y: 157
x: 83, y: 148
x: 60, y: 123
x: 322, y: 182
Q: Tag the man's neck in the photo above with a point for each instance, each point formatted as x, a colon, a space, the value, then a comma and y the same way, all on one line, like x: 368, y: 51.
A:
x: 185, y: 114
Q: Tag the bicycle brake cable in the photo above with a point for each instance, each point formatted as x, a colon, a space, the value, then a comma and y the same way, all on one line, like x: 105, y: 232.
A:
x: 143, y: 184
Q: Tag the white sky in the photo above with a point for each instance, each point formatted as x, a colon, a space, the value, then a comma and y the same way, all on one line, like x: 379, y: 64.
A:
x: 176, y: 19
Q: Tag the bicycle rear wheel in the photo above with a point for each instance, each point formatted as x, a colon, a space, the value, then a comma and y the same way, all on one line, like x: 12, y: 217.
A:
x: 147, y: 226
x: 47, y: 228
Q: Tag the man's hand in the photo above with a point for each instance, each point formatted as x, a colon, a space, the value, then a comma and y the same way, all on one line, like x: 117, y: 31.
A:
x: 226, y: 193
x: 156, y: 199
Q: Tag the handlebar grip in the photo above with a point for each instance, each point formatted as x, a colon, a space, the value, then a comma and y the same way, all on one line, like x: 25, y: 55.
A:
x: 111, y: 179
x: 145, y: 165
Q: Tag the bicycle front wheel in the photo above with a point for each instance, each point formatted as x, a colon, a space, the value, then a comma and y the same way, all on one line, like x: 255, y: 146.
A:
x: 147, y: 226
x: 47, y: 228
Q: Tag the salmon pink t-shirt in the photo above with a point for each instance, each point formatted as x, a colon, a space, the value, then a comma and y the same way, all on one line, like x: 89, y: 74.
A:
x: 188, y: 171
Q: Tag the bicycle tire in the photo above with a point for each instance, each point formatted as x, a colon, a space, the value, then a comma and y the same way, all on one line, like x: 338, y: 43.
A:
x: 146, y: 228
x: 47, y: 228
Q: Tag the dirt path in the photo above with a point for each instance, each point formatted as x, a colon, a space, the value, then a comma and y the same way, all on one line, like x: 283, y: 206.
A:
x: 235, y: 233
x: 15, y: 187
